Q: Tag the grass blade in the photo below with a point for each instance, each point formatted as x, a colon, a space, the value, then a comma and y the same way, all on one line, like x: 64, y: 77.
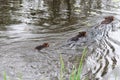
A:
x: 5, y: 76
x: 81, y: 63
x: 76, y: 73
x: 62, y: 67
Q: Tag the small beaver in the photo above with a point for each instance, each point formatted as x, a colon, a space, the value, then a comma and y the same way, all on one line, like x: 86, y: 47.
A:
x: 76, y: 38
x: 108, y: 20
x: 44, y: 45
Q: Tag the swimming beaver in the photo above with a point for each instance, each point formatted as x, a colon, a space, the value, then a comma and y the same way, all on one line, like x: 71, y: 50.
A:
x: 44, y: 45
x: 76, y: 38
x: 108, y: 20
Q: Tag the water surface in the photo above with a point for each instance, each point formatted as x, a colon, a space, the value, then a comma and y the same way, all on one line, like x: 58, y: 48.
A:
x: 25, y: 24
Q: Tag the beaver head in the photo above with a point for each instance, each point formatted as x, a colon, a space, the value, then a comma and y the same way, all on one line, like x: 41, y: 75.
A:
x: 108, y: 20
x: 44, y: 45
x: 82, y: 34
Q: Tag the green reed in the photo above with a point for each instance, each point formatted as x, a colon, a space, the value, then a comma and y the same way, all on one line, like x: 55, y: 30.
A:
x: 76, y: 73
x: 5, y: 76
x: 62, y: 68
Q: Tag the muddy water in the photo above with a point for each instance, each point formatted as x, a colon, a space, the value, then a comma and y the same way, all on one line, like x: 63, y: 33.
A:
x: 25, y: 24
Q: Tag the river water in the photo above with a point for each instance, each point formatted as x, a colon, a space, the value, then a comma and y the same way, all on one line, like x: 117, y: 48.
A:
x: 25, y: 24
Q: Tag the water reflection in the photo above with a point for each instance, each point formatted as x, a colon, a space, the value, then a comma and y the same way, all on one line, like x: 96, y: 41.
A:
x: 4, y: 18
x: 53, y: 12
x: 104, y: 57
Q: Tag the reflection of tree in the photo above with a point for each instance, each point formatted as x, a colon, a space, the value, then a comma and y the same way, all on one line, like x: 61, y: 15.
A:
x: 56, y: 8
x: 98, y: 4
x: 107, y: 4
x: 21, y: 1
x: 59, y: 10
x: 69, y: 9
x: 4, y: 8
x: 7, y: 7
x: 87, y: 5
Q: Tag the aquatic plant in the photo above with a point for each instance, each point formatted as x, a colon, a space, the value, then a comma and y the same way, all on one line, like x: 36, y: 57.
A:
x: 5, y: 76
x: 62, y: 68
x: 76, y: 73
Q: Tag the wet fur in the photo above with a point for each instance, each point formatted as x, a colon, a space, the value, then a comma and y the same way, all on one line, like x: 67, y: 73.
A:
x: 107, y: 20
x: 40, y: 47
x: 76, y: 38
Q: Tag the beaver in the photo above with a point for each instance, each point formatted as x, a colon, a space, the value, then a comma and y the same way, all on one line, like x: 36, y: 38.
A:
x: 76, y: 38
x: 44, y: 45
x: 108, y: 20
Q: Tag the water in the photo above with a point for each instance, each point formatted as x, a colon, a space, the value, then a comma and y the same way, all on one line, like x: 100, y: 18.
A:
x: 105, y: 53
x: 25, y: 24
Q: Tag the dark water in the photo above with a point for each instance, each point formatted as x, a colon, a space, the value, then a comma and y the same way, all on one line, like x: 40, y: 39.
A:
x: 25, y: 24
